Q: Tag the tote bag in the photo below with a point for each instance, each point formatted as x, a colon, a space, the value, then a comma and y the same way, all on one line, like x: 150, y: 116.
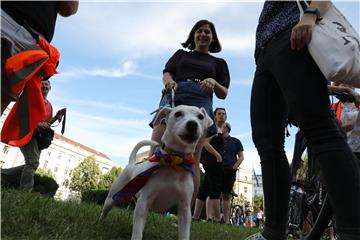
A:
x: 335, y: 47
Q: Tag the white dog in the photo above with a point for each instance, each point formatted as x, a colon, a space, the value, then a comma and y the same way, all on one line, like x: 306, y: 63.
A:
x: 168, y: 185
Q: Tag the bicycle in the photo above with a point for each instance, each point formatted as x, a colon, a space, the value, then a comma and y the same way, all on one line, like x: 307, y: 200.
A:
x: 309, y: 207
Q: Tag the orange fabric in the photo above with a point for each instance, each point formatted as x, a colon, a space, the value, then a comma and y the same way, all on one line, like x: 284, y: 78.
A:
x: 24, y: 72
x: 337, y: 107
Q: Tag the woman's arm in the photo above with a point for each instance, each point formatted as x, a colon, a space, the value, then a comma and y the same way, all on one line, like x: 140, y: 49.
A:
x: 168, y: 81
x: 210, y: 84
x: 301, y: 32
x: 347, y: 90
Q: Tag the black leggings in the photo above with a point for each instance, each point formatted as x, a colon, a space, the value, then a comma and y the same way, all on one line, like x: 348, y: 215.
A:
x: 290, y: 80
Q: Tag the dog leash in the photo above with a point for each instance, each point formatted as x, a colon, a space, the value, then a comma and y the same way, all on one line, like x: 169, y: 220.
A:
x: 172, y: 98
x: 169, y: 104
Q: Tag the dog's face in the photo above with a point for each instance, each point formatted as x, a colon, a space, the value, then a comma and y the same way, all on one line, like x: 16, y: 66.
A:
x: 185, y: 125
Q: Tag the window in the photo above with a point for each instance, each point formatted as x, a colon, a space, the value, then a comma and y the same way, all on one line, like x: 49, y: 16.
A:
x: 245, y: 189
x: 246, y: 178
x: 6, y: 150
x: 66, y: 171
x: 56, y: 168
x: 46, y: 163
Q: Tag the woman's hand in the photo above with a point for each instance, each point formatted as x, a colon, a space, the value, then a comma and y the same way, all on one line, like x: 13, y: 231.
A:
x: 171, y: 84
x: 207, y: 85
x: 218, y: 157
x: 301, y: 32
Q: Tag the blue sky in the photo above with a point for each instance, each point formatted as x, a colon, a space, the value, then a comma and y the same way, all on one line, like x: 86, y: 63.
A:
x: 112, y: 56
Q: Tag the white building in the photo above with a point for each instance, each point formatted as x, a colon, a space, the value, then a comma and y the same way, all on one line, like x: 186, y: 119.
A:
x: 62, y: 156
x: 243, y: 184
x: 258, y: 185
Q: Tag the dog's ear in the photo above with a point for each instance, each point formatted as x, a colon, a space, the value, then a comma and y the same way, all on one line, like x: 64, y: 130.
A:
x: 208, y: 120
x: 162, y: 114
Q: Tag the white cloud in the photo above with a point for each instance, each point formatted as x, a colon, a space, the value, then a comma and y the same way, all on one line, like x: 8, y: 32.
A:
x: 92, y: 122
x: 96, y: 104
x: 137, y: 30
x: 114, y: 137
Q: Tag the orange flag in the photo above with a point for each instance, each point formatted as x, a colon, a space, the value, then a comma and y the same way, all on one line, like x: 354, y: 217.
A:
x: 24, y: 72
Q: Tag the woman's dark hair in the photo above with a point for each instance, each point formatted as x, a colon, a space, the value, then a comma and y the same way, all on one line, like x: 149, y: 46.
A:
x: 190, y: 44
x: 219, y: 108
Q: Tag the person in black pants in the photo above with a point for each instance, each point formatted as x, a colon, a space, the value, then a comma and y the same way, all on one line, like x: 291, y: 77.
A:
x: 233, y: 155
x: 211, y: 159
x: 288, y: 79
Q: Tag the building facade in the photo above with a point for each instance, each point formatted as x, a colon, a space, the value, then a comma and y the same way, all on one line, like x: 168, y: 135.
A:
x: 243, y: 185
x: 62, y: 156
x: 258, y: 185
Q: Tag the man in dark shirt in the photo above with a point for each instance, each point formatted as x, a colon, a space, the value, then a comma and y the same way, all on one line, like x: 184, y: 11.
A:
x: 232, y: 158
x: 22, y: 23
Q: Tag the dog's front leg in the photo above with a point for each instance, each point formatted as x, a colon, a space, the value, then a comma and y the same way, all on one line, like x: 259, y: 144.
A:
x: 184, y: 220
x: 139, y: 218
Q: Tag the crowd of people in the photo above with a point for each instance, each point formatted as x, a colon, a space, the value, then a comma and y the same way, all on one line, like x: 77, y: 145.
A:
x: 287, y: 82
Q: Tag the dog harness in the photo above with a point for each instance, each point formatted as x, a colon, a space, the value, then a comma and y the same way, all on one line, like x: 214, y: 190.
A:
x: 174, y: 161
x: 24, y: 72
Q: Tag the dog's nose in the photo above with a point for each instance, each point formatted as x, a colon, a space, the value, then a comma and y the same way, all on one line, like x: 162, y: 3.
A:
x: 191, y: 126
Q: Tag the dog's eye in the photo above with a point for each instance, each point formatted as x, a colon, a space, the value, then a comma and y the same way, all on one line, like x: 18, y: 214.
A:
x: 178, y: 114
x: 201, y: 117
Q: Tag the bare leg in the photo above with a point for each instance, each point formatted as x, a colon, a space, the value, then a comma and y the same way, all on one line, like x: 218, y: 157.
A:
x: 208, y: 210
x: 198, y: 208
x: 226, y: 205
x: 214, y: 205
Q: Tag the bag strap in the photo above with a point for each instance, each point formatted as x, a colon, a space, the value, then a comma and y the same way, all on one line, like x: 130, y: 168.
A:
x: 301, y: 8
x: 63, y: 124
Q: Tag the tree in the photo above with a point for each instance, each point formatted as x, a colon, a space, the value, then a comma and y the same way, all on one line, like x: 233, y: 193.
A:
x: 241, y: 200
x: 108, y: 178
x: 85, y: 176
x: 258, y: 203
x: 45, y: 172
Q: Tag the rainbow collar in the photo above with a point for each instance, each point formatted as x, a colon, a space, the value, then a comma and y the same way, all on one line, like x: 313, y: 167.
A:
x: 173, y: 160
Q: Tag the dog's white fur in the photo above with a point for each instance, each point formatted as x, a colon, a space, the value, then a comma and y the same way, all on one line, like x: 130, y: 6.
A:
x: 185, y: 125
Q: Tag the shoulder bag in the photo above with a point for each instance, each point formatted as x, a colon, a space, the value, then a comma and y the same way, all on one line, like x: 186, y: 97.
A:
x: 335, y: 47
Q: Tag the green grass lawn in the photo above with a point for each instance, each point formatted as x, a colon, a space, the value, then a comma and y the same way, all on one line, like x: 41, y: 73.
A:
x: 32, y: 216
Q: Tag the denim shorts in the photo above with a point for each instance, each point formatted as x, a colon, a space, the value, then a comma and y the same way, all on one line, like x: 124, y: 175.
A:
x: 189, y: 93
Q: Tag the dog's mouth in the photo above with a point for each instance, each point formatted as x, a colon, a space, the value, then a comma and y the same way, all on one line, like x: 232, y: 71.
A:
x: 188, y: 137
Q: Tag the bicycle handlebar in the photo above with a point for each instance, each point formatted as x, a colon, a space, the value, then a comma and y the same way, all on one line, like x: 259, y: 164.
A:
x: 342, y: 96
